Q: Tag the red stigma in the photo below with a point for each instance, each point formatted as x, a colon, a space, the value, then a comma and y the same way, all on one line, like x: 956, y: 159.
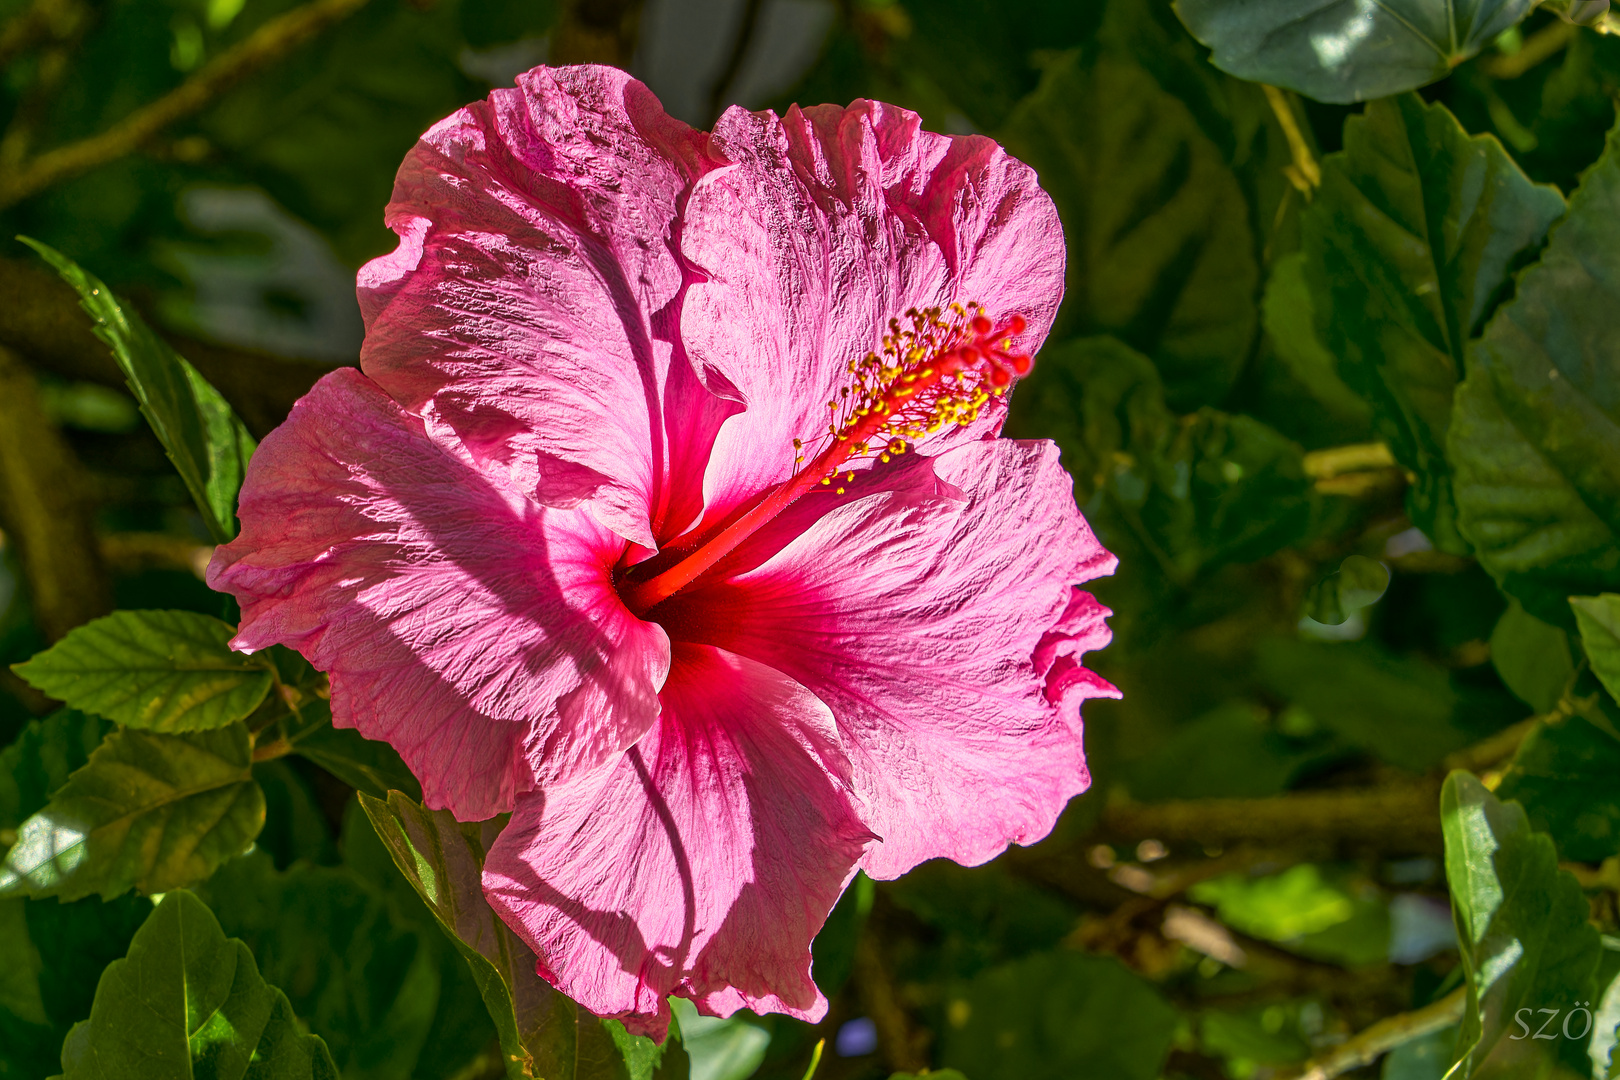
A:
x: 940, y: 370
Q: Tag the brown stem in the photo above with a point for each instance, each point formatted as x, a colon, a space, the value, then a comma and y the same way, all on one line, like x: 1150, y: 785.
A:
x: 269, y: 43
x: 1544, y: 44
x: 898, y: 1037
x: 272, y: 750
x: 45, y: 20
x: 1404, y: 818
x: 44, y: 509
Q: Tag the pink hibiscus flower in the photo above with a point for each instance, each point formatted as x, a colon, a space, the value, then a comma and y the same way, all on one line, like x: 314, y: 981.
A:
x: 669, y: 514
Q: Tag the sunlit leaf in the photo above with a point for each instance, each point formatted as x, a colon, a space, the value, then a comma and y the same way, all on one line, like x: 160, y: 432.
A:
x: 207, y: 443
x: 44, y: 755
x: 729, y: 1049
x: 188, y: 1001
x: 166, y: 671
x: 156, y: 812
x: 1407, y: 246
x: 1533, y: 440
x: 1522, y: 927
x: 1347, y: 50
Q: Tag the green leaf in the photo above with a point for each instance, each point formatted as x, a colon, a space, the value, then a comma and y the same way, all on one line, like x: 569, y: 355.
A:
x: 50, y: 954
x: 1323, y: 916
x: 931, y: 1074
x: 1194, y: 493
x: 1347, y: 50
x: 365, y: 979
x: 168, y: 671
x: 41, y: 759
x: 1564, y: 775
x: 1358, y: 583
x: 1532, y: 443
x: 729, y: 1049
x: 1598, y: 619
x: 364, y: 764
x: 1229, y: 752
x: 156, y: 812
x: 543, y: 1034
x: 833, y: 951
x: 1059, y: 1015
x: 1532, y: 657
x: 207, y: 443
x: 1298, y: 373
x: 1399, y: 706
x: 1160, y: 250
x: 1521, y: 924
x: 189, y: 1001
x: 1408, y: 244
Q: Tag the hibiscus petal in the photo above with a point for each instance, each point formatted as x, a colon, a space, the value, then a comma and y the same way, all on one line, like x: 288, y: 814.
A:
x: 933, y: 609
x: 702, y: 863
x: 470, y: 629
x: 833, y: 222
x: 534, y: 295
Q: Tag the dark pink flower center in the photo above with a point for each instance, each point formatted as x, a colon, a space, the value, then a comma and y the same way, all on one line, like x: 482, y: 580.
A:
x: 939, y: 370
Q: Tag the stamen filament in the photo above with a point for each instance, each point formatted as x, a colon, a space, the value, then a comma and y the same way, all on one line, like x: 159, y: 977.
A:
x: 973, y: 350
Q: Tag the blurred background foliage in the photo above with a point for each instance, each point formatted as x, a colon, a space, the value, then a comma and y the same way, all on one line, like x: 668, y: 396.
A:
x: 1340, y: 577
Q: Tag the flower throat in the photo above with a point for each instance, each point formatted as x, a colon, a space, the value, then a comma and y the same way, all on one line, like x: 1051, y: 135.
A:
x: 939, y: 368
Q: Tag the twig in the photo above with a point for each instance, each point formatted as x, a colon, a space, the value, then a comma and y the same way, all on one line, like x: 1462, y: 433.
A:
x: 1542, y: 45
x: 1304, y: 173
x: 896, y: 1034
x: 1405, y: 818
x: 1358, y: 457
x: 269, y: 43
x: 272, y: 750
x: 131, y: 552
x: 734, y: 62
x: 44, y: 511
x: 1386, y: 1035
x: 45, y: 20
x: 1499, y: 747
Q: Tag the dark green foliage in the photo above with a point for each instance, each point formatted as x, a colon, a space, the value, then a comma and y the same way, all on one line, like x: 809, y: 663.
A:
x: 1564, y: 776
x: 1538, y: 418
x: 1059, y: 1015
x: 187, y: 1000
x: 1408, y: 247
x: 1160, y: 250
